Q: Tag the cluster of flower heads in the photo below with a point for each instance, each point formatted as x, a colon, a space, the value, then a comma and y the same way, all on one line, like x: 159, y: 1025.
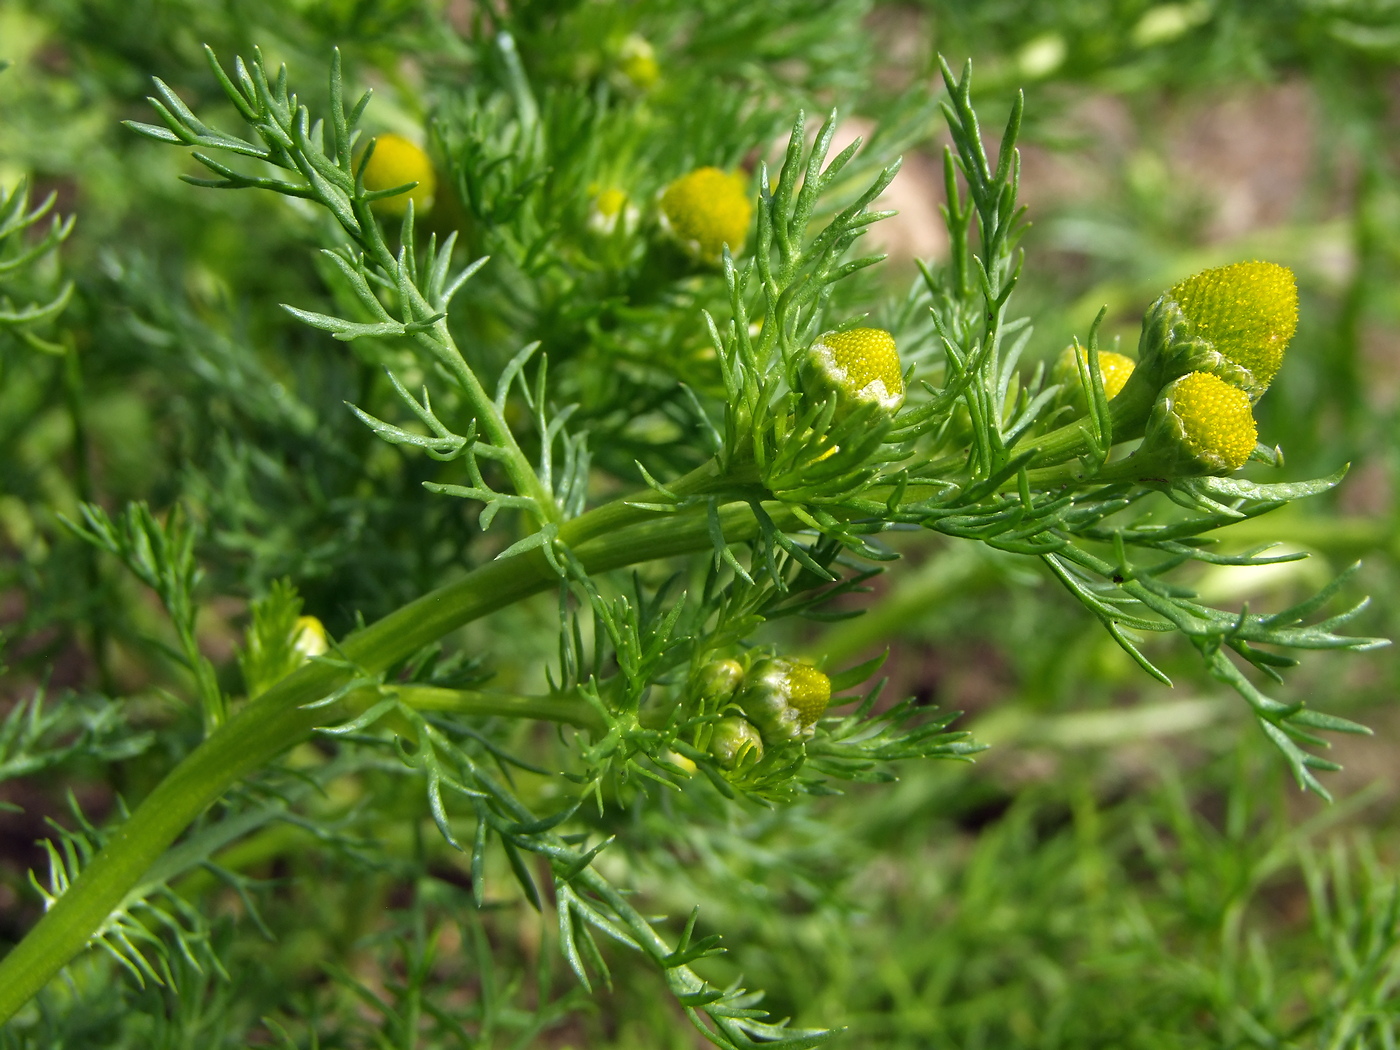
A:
x: 702, y: 212
x: 1210, y: 347
x: 1238, y: 322
x: 776, y: 701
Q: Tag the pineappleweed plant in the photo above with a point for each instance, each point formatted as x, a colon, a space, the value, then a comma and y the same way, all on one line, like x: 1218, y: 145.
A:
x: 1111, y: 473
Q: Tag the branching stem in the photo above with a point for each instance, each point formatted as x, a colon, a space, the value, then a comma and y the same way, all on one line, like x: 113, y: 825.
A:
x: 281, y: 717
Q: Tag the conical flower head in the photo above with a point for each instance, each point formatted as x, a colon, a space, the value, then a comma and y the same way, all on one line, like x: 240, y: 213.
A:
x: 1201, y: 425
x: 1247, y: 311
x: 860, y: 365
x: 395, y: 162
x: 706, y: 210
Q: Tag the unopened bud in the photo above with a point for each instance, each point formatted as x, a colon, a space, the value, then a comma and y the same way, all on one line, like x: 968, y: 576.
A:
x: 609, y: 210
x: 719, y: 680
x: 735, y: 742
x: 1113, y: 367
x: 785, y: 699
x: 636, y: 60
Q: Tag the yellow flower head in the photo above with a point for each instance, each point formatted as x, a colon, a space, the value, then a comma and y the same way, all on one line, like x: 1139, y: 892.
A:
x: 1115, y: 368
x: 809, y: 691
x: 309, y: 637
x: 395, y: 162
x: 1247, y: 310
x: 859, y: 365
x: 610, y: 203
x: 1214, y: 419
x: 706, y: 210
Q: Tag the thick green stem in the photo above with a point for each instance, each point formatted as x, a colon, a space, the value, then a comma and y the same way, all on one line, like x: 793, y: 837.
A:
x: 1128, y: 413
x: 475, y: 703
x: 280, y: 718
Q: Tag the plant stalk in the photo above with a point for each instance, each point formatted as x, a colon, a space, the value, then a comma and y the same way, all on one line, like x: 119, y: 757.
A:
x: 280, y: 717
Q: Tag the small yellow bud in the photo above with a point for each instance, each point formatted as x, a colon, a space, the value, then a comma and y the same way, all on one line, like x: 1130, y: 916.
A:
x: 1115, y: 369
x: 395, y: 162
x: 1248, y: 311
x: 636, y: 60
x: 309, y: 637
x: 1217, y: 426
x: 610, y: 202
x: 860, y: 365
x: 706, y: 210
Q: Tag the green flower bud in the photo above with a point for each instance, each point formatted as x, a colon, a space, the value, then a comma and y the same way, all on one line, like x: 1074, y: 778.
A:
x: 785, y: 699
x: 706, y: 210
x: 719, y: 680
x: 860, y: 366
x: 610, y: 210
x: 735, y: 742
x: 636, y: 60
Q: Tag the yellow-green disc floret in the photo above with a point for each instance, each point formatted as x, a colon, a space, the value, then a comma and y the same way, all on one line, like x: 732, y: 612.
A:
x: 1114, y: 367
x: 1217, y: 426
x: 395, y: 162
x: 706, y: 210
x: 809, y: 691
x: 1247, y: 310
x: 860, y: 365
